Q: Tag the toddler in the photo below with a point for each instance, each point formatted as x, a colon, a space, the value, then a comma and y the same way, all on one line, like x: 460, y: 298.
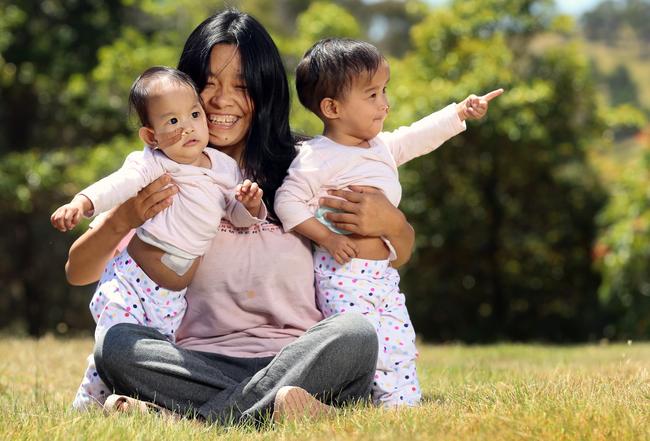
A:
x: 344, y: 83
x: 175, y: 131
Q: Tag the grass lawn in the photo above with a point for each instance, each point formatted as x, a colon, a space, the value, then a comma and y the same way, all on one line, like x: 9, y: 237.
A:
x: 501, y: 392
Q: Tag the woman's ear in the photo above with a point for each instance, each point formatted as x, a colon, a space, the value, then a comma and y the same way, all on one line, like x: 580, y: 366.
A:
x: 148, y: 136
x: 330, y: 108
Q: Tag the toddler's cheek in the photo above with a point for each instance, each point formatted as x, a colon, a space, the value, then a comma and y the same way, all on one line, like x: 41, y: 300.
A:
x: 169, y: 138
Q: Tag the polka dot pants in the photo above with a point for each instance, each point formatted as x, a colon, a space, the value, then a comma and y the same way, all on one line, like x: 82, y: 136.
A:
x: 371, y: 288
x: 125, y: 294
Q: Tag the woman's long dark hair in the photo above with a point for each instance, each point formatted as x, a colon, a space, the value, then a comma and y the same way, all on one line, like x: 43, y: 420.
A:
x: 270, y: 145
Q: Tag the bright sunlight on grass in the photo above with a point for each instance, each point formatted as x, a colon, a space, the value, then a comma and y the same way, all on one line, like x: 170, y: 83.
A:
x: 502, y: 392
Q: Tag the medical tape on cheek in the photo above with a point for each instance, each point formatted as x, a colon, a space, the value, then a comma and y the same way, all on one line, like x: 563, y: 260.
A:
x: 171, y: 138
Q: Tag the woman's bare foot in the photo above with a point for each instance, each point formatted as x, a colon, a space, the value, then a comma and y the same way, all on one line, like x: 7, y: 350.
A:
x: 293, y: 403
x: 124, y: 404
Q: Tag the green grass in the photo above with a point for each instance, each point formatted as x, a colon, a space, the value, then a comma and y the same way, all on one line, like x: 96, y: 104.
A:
x: 501, y: 392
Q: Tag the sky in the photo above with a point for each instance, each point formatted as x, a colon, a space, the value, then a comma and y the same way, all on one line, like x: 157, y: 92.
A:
x: 572, y: 7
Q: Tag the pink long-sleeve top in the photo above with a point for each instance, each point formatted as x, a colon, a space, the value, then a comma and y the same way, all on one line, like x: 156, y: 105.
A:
x: 323, y: 164
x: 205, y: 196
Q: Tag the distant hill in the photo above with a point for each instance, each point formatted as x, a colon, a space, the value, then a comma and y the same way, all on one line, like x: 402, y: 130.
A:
x: 617, y: 64
x: 617, y: 37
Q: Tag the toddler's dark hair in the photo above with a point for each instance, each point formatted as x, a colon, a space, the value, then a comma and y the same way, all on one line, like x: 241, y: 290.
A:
x: 141, y: 88
x: 330, y: 66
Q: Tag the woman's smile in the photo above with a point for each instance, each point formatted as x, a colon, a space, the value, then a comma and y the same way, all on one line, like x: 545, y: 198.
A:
x: 222, y: 121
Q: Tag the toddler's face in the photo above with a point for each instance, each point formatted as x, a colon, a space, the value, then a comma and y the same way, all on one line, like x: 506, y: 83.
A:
x: 178, y: 122
x: 365, y: 107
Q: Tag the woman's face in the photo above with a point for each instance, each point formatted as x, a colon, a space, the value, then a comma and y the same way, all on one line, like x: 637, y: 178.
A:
x: 228, y: 107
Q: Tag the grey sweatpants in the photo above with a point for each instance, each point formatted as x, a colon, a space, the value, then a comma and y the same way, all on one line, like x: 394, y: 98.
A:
x: 335, y: 360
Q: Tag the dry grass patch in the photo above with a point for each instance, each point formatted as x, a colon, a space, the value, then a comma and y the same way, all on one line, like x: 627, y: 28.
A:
x: 500, y: 392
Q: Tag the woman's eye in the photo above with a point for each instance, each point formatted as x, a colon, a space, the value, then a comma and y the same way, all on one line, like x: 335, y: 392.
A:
x: 241, y: 87
x: 384, y: 91
x: 196, y: 114
x: 173, y: 121
x: 374, y: 95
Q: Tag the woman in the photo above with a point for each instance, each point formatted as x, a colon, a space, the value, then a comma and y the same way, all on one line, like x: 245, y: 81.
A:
x: 251, y: 327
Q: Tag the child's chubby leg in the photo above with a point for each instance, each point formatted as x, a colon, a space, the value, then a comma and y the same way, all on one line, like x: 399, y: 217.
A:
x: 347, y: 288
x: 371, y: 288
x: 125, y: 294
x: 397, y: 348
x: 92, y: 391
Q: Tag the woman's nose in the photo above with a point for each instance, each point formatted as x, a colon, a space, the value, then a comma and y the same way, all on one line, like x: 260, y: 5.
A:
x: 218, y: 97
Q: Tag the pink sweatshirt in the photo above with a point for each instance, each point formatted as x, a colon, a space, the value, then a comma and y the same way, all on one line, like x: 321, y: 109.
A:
x: 204, y: 197
x: 323, y: 164
x: 252, y: 294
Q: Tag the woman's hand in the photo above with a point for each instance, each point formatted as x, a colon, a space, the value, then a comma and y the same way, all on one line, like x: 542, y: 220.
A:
x: 97, y: 246
x: 367, y: 212
x: 150, y: 201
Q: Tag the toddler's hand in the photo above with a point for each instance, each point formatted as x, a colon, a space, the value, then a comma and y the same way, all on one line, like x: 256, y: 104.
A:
x: 67, y: 217
x: 476, y: 107
x: 250, y: 195
x: 341, y: 248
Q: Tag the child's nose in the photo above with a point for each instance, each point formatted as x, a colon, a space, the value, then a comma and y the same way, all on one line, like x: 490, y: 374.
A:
x: 384, y: 105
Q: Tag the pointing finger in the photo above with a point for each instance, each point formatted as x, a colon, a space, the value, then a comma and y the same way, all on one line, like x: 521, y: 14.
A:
x: 491, y: 95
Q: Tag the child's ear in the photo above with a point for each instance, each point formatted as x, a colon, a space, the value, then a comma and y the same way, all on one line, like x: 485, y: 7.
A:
x: 329, y: 107
x: 148, y: 136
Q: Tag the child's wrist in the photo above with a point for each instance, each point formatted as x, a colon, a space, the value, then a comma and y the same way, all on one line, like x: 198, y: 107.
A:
x: 83, y: 202
x: 326, y: 240
x: 460, y: 111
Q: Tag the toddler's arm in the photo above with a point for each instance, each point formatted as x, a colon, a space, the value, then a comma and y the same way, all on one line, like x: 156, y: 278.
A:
x: 338, y: 245
x: 305, y: 177
x: 138, y: 171
x: 90, y: 253
x: 423, y: 136
x: 432, y: 131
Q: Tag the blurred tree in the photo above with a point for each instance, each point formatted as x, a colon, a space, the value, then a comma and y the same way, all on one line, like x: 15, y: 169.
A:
x: 623, y: 253
x: 505, y: 229
x: 41, y: 45
x: 504, y: 214
x: 622, y: 88
x: 65, y: 71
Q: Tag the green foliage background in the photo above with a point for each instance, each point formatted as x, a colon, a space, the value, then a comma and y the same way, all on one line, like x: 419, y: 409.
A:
x: 526, y: 229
